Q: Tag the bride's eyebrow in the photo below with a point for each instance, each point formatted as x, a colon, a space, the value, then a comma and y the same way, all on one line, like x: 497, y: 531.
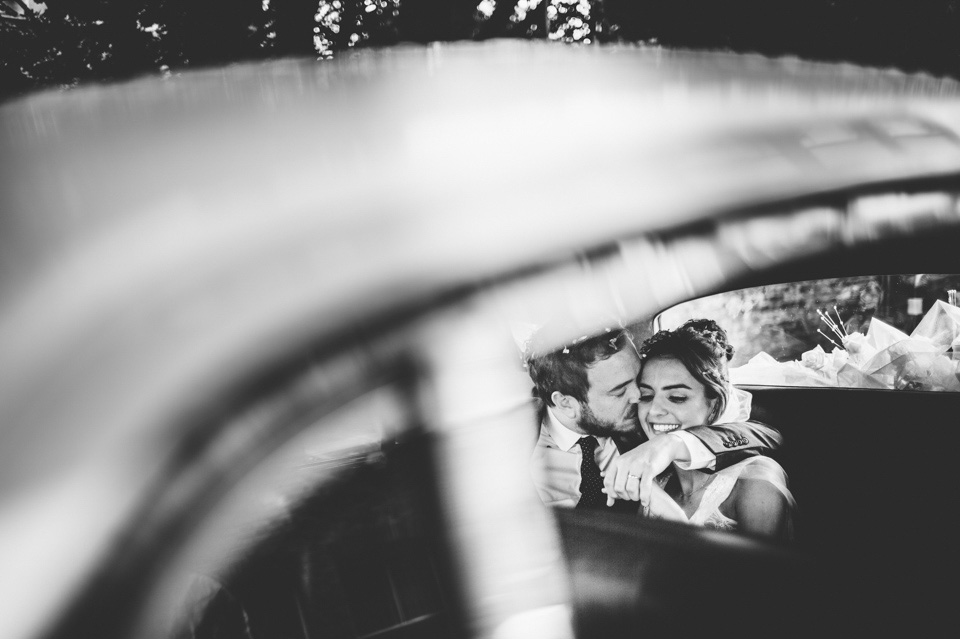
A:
x: 674, y: 386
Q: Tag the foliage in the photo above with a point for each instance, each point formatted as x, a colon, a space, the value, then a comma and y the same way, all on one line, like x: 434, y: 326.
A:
x: 61, y: 43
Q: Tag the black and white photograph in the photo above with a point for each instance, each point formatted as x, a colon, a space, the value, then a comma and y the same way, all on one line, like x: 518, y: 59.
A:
x: 479, y: 319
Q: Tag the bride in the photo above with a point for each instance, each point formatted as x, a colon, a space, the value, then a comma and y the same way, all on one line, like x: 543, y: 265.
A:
x: 684, y: 383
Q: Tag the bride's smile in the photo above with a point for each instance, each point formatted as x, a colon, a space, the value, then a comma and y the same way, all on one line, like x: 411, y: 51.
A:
x: 663, y: 428
x: 670, y: 398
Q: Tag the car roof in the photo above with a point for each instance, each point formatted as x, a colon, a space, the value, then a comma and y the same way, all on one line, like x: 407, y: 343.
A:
x: 385, y: 142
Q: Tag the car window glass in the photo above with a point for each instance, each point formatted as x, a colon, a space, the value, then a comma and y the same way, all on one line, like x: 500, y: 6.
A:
x: 897, y: 332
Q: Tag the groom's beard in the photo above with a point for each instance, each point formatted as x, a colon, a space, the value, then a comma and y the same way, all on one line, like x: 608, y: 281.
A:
x: 593, y: 425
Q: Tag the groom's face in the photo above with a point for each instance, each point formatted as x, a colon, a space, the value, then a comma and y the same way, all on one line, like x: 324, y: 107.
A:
x: 611, y: 405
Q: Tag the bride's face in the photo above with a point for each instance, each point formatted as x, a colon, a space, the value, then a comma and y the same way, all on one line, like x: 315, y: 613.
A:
x: 670, y: 398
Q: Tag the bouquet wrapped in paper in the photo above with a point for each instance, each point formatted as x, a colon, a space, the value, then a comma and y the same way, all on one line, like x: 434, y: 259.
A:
x: 940, y: 326
x: 859, y: 349
x: 927, y: 359
x: 763, y: 369
x: 827, y: 365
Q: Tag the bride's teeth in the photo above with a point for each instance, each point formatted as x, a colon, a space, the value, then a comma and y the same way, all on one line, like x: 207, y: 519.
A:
x: 660, y: 428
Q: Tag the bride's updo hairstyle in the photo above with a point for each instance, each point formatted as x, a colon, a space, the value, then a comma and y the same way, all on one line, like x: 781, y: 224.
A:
x: 704, y: 350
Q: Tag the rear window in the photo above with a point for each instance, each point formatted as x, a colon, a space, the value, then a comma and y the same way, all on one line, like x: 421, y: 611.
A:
x: 898, y: 332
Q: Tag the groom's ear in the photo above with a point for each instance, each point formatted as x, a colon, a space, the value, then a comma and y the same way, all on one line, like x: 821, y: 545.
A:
x: 566, y: 404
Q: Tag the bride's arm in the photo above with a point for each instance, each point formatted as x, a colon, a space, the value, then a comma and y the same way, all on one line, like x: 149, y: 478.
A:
x: 761, y: 508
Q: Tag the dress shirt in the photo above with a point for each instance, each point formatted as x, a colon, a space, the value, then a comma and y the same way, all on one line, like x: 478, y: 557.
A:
x: 555, y: 463
x: 700, y: 455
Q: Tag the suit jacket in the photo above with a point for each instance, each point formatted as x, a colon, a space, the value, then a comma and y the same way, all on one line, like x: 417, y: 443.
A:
x: 730, y: 443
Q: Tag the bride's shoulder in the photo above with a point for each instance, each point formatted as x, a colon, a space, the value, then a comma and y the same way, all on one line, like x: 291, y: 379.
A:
x: 757, y: 500
x: 761, y: 483
x: 758, y: 467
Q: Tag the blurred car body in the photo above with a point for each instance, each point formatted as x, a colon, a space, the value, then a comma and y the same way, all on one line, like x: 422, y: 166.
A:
x: 200, y: 269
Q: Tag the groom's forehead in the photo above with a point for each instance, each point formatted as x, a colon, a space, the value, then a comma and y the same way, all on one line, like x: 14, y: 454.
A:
x: 606, y: 374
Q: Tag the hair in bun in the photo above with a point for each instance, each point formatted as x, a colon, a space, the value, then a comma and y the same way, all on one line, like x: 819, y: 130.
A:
x: 711, y: 333
x: 702, y: 346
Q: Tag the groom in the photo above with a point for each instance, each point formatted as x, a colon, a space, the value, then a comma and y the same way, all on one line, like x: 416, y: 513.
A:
x: 591, y: 447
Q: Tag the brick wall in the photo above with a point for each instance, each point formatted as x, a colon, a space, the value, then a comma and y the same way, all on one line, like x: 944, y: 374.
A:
x: 782, y: 319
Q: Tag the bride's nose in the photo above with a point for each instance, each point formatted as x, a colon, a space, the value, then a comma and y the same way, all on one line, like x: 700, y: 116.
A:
x: 657, y: 407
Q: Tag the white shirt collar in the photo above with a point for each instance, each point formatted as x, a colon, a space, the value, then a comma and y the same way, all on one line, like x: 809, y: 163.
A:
x: 564, y: 438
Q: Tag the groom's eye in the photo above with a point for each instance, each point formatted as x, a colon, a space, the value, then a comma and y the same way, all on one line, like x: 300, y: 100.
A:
x: 646, y: 398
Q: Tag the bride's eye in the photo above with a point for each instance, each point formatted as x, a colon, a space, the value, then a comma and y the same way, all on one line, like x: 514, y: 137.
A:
x: 678, y: 399
x: 646, y: 398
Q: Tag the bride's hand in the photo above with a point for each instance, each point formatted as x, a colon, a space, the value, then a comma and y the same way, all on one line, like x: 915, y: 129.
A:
x: 631, y: 475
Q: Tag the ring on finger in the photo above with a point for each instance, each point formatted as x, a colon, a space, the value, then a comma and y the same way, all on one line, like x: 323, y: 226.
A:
x: 629, y: 476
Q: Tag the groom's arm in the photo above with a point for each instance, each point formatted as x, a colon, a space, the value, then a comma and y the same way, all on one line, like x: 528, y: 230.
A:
x: 631, y: 475
x: 718, y: 446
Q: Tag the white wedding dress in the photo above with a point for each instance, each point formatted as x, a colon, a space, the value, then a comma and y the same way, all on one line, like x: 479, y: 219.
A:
x: 721, y: 484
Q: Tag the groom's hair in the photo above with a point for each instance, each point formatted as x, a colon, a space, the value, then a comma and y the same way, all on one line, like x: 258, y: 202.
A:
x: 565, y: 370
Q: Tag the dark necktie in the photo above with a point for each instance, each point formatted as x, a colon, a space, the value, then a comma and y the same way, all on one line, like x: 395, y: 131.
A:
x: 591, y: 483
